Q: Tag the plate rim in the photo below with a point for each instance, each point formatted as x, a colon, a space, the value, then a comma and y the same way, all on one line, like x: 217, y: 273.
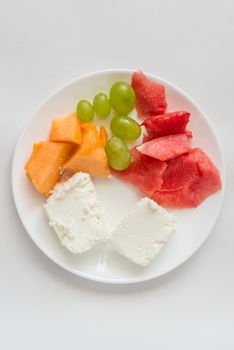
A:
x: 89, y: 276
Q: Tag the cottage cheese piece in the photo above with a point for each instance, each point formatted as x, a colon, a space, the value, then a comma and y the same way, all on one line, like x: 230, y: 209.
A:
x: 74, y: 213
x: 143, y: 232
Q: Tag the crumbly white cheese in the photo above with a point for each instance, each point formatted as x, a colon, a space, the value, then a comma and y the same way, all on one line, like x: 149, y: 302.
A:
x: 75, y: 214
x: 143, y: 232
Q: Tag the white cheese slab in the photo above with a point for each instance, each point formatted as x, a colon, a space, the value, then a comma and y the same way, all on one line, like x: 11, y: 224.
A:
x: 75, y: 214
x: 143, y: 232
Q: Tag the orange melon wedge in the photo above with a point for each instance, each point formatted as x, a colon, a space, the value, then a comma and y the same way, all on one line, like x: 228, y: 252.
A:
x: 103, y: 136
x: 66, y: 129
x: 93, y: 162
x: 90, y: 157
x: 44, y: 165
x: 90, y: 137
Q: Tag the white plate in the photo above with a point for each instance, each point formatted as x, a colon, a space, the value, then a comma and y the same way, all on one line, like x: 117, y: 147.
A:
x: 101, y: 263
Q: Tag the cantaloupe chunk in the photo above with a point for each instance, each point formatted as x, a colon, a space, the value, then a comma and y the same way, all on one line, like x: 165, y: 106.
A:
x: 90, y: 157
x: 103, y: 136
x: 66, y: 129
x: 44, y: 165
x: 93, y: 162
x: 90, y: 137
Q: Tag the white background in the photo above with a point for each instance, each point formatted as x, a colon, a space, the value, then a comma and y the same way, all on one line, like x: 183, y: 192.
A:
x: 44, y: 44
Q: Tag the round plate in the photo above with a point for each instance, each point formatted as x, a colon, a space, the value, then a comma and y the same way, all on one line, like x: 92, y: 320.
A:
x: 101, y: 263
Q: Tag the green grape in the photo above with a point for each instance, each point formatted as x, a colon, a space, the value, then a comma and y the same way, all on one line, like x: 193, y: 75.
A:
x: 125, y: 128
x: 118, y: 154
x: 122, y: 97
x: 85, y: 111
x: 101, y: 105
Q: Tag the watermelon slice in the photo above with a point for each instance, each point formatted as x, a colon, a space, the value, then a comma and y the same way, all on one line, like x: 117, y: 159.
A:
x: 188, y: 181
x: 167, y: 147
x: 166, y: 124
x: 150, y: 96
x: 188, y: 133
x: 144, y: 172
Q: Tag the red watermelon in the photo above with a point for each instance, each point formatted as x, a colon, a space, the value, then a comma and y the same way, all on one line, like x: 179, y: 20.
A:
x: 150, y: 96
x: 166, y: 124
x: 144, y: 172
x: 167, y: 147
x: 188, y: 181
x: 188, y: 133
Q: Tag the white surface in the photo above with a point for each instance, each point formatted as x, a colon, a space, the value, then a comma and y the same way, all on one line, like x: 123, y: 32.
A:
x: 193, y: 225
x: 43, y: 45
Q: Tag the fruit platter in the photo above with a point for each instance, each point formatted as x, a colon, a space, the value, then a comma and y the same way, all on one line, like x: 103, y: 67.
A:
x: 119, y: 177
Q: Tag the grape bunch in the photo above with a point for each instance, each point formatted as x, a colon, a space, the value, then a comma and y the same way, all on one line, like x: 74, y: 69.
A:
x: 124, y: 129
